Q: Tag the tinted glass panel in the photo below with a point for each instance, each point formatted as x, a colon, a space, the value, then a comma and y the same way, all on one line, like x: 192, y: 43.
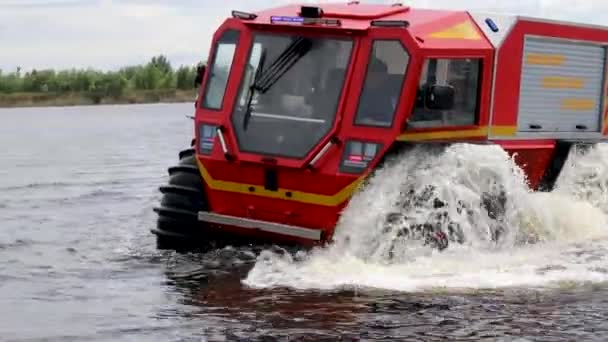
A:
x: 291, y: 104
x: 462, y: 75
x: 383, y: 82
x: 220, y: 70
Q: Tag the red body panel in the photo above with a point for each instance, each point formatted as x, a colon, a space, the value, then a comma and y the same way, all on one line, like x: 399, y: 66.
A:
x: 533, y: 156
x: 314, y: 198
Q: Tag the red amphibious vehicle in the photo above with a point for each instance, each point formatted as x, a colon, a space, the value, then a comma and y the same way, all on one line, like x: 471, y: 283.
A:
x: 299, y: 104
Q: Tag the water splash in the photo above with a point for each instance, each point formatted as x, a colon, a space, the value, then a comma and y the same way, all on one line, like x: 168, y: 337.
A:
x: 544, y: 238
x: 585, y: 176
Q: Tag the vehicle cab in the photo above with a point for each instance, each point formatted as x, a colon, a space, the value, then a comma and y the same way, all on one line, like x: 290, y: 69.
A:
x: 299, y: 103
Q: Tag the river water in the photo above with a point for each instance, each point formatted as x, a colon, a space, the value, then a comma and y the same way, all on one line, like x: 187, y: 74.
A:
x: 77, y: 261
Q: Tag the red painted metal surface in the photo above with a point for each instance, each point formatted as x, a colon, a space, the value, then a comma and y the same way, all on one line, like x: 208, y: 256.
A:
x: 532, y: 156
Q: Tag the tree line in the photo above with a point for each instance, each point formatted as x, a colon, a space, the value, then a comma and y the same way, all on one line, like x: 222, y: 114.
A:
x: 157, y: 74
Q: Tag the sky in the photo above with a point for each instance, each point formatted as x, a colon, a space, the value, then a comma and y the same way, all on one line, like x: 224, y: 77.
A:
x: 108, y: 34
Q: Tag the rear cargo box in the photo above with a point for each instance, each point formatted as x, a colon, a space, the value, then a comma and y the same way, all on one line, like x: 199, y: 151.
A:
x: 550, y: 77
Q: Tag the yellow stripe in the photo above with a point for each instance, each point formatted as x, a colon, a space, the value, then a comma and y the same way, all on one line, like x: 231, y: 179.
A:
x: 463, y: 30
x: 344, y: 194
x: 466, y: 133
x: 503, y: 131
x: 578, y: 104
x: 421, y: 136
x: 545, y: 59
x: 558, y: 82
x: 297, y: 196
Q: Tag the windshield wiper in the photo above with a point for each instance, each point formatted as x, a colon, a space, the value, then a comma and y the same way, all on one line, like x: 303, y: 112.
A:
x: 284, y: 62
x: 253, y: 88
x: 264, y: 80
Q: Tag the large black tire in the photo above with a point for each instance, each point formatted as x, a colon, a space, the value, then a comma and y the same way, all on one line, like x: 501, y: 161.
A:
x: 177, y: 225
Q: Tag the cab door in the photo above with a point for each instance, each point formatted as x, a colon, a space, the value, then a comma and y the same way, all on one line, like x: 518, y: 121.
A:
x: 380, y: 96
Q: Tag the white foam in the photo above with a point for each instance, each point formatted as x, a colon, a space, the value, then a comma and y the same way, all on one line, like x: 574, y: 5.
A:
x: 568, y: 224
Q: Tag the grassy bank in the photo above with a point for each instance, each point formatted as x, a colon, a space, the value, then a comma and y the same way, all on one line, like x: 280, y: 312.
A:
x: 91, y: 98
x: 155, y: 81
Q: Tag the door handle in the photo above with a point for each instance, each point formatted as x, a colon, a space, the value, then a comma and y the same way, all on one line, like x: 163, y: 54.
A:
x: 220, y: 135
x: 323, y: 152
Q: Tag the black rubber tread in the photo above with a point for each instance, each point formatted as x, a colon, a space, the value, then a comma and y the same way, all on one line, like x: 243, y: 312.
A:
x: 188, y: 159
x: 186, y: 153
x: 170, y: 240
x: 185, y: 169
x: 173, y: 200
x: 177, y: 226
x: 174, y: 212
x: 181, y: 190
x: 186, y: 179
x: 187, y: 227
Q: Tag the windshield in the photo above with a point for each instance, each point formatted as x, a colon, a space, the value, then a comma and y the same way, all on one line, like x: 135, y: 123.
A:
x: 290, y: 93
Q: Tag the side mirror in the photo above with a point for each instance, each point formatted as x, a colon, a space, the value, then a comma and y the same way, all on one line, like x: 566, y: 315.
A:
x: 200, y: 74
x: 439, y: 97
x: 198, y: 80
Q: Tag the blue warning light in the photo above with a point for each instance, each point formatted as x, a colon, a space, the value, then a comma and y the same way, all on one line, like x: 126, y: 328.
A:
x: 492, y: 25
x: 285, y: 19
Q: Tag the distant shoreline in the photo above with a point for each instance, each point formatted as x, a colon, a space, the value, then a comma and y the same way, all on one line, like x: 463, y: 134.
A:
x: 17, y: 100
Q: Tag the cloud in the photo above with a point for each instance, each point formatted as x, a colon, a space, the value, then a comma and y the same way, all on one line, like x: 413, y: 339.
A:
x: 103, y: 34
x: 111, y: 33
x: 24, y: 4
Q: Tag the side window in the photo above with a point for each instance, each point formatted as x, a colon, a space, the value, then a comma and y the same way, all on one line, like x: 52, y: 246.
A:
x: 220, y: 70
x: 459, y: 78
x: 383, y: 82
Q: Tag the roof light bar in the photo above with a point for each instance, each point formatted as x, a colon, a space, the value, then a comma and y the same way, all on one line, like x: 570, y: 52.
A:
x: 284, y: 19
x: 244, y: 15
x: 329, y: 22
x: 304, y: 21
x: 390, y: 23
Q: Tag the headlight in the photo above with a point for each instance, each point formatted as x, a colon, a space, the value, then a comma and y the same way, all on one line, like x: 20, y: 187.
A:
x: 357, y: 156
x: 206, y: 135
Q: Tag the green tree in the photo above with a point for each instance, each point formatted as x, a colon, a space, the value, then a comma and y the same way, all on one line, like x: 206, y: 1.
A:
x: 148, y: 78
x: 156, y: 74
x: 168, y: 81
x: 185, y: 77
x: 162, y: 63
